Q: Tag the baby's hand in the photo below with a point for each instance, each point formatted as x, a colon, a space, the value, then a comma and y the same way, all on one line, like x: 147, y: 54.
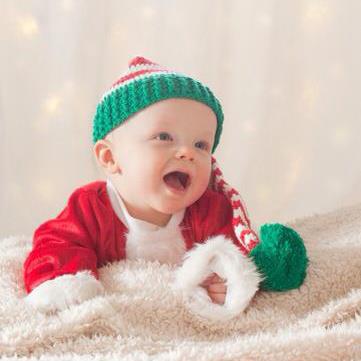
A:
x: 216, y: 288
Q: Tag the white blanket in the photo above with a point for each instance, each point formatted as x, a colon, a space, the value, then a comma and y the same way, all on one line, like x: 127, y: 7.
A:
x: 142, y: 317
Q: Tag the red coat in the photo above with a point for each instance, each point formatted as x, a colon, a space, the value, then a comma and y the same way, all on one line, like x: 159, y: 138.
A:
x: 87, y: 234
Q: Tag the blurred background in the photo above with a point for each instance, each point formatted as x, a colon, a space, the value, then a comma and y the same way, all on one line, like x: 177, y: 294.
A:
x: 287, y: 73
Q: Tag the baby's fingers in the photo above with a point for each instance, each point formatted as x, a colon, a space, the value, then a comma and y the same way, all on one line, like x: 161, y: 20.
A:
x: 212, y: 278
x: 217, y: 279
x: 208, y: 280
x: 217, y: 288
x: 217, y: 297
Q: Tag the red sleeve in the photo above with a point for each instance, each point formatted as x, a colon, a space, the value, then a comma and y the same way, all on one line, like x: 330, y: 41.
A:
x: 65, y: 244
x: 219, y: 218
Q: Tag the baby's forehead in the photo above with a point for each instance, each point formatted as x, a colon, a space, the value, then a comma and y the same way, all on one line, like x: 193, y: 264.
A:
x: 174, y: 114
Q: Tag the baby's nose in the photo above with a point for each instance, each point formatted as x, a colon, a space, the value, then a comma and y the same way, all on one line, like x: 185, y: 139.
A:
x: 186, y: 157
x: 185, y: 153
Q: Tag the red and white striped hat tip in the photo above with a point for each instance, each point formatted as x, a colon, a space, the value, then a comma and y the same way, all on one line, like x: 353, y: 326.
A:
x: 240, y: 221
x: 140, y: 60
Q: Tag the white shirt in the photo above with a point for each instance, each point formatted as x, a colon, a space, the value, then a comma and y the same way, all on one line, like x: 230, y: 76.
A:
x: 146, y: 240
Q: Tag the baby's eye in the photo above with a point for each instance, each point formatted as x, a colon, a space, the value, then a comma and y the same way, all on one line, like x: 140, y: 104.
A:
x: 163, y: 136
x: 202, y: 145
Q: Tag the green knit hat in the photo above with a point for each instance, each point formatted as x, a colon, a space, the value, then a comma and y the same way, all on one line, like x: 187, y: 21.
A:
x: 146, y: 83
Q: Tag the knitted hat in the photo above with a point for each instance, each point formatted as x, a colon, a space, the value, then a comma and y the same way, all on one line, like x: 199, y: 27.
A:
x: 146, y: 83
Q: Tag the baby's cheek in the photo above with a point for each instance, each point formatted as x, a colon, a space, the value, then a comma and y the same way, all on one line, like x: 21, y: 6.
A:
x: 203, y: 178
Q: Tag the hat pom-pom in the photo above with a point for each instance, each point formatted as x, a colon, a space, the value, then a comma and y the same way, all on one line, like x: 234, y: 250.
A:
x: 281, y: 257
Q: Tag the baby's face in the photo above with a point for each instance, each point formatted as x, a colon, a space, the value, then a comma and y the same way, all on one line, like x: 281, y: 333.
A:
x: 168, y: 136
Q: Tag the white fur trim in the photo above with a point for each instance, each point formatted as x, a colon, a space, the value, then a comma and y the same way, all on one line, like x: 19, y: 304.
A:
x: 148, y: 241
x: 221, y: 256
x: 64, y: 291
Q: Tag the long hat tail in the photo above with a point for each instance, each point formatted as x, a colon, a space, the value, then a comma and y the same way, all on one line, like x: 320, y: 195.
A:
x: 241, y: 223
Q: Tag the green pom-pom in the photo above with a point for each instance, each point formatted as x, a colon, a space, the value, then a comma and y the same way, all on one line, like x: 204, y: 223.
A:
x: 281, y: 257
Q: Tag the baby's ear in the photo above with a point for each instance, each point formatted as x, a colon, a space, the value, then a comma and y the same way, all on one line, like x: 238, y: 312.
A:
x: 104, y: 155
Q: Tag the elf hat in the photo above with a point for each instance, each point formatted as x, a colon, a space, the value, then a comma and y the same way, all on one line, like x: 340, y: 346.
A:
x: 145, y: 83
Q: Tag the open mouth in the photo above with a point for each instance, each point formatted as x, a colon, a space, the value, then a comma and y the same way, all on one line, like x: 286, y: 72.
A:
x: 179, y: 181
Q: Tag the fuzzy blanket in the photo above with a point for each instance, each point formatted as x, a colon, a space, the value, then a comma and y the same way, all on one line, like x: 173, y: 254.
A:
x: 143, y: 318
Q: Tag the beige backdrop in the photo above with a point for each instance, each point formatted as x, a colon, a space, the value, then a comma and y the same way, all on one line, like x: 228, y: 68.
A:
x: 287, y: 73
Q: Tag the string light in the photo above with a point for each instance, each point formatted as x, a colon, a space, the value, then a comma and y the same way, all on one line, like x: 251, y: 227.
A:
x: 341, y: 136
x: 45, y: 188
x: 296, y: 165
x: 120, y: 33
x: 28, y: 26
x: 316, y: 14
x: 264, y: 192
x: 68, y: 5
x: 337, y: 71
x: 148, y: 12
x: 51, y: 104
x: 310, y: 94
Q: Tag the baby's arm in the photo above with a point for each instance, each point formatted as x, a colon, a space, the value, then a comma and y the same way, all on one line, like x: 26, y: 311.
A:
x: 216, y: 250
x: 64, y: 291
x: 61, y: 269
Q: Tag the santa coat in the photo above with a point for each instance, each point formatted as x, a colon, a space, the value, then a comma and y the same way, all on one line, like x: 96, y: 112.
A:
x: 94, y: 229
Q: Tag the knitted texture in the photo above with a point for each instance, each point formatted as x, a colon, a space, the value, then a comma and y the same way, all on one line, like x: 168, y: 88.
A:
x: 281, y: 257
x: 241, y: 223
x: 146, y: 83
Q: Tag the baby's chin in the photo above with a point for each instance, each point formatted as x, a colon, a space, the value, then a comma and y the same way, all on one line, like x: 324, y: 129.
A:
x: 169, y: 205
x: 169, y: 208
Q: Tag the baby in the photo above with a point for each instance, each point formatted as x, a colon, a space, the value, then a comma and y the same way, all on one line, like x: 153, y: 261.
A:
x: 164, y: 200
